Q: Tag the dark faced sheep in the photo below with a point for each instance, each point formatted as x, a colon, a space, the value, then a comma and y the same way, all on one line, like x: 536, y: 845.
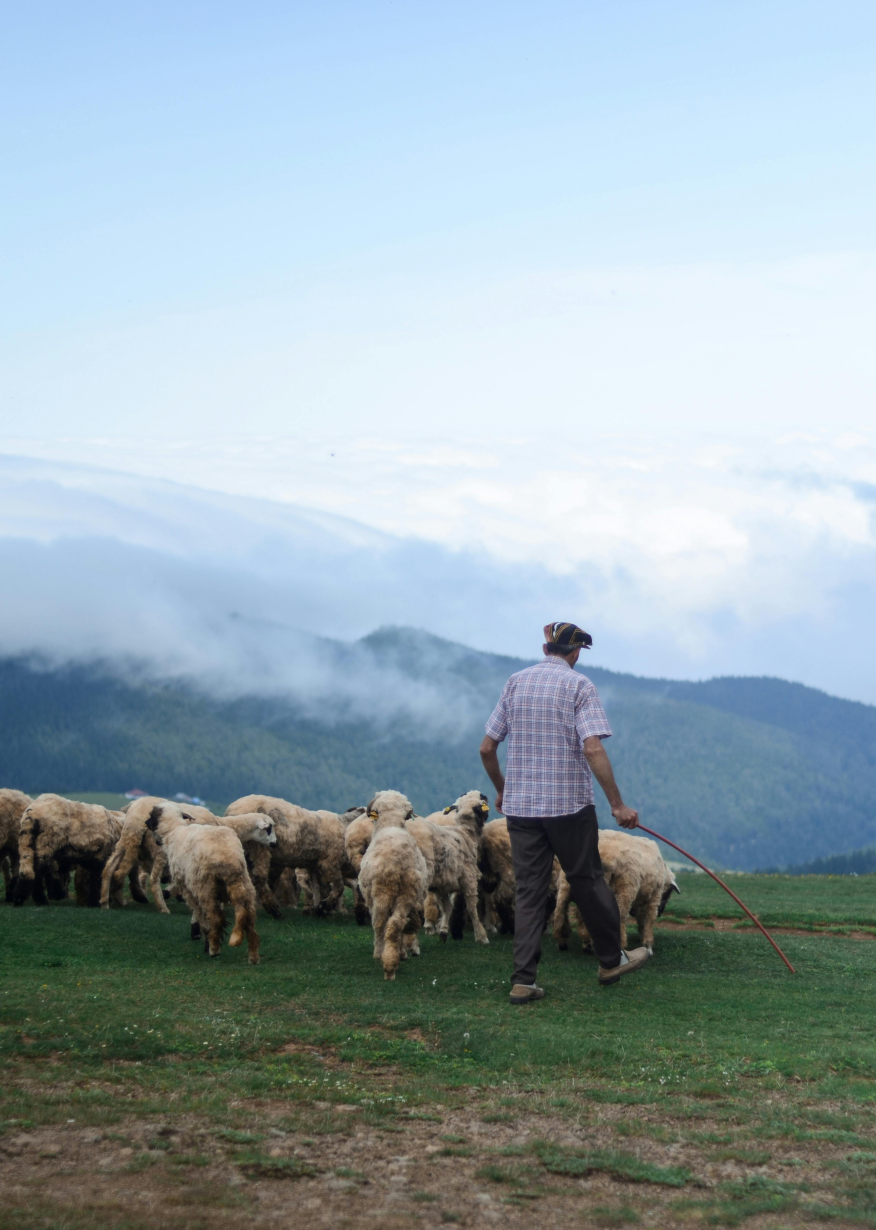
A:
x: 66, y: 834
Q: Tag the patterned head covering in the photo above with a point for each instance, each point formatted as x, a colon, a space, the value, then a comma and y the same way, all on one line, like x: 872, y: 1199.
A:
x: 567, y: 636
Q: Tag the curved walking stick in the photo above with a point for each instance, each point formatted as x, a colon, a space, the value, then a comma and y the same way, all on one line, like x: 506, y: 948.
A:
x: 756, y: 921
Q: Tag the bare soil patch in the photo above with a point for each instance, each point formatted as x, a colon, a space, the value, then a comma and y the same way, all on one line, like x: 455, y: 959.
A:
x: 474, y: 1165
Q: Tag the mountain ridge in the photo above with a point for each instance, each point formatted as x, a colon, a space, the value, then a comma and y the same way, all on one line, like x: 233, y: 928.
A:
x: 749, y: 772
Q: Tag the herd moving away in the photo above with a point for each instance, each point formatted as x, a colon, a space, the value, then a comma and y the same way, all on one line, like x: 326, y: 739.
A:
x: 406, y: 871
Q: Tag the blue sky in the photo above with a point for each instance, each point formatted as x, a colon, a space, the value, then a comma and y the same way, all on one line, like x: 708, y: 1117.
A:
x: 530, y: 235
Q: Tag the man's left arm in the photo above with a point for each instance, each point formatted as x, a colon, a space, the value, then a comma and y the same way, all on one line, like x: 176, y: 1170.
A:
x: 600, y: 766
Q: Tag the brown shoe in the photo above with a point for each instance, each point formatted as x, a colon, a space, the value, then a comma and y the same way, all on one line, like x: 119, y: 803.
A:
x: 636, y: 958
x: 521, y: 994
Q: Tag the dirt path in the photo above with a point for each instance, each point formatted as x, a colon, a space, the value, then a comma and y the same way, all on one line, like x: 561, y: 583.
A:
x: 837, y: 930
x: 473, y: 1166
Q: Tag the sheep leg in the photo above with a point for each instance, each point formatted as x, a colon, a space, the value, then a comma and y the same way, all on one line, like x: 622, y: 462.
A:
x: 261, y: 869
x: 243, y: 899
x: 136, y: 887
x: 115, y: 869
x: 360, y: 909
x: 470, y: 896
x: 215, y: 919
x: 457, y: 916
x: 10, y: 875
x: 159, y: 866
x: 79, y: 885
x: 392, y: 939
x: 92, y: 885
x: 409, y: 937
x: 55, y: 877
x: 624, y: 901
x: 379, y: 918
x: 562, y: 930
x: 444, y: 908
x: 645, y: 918
x: 432, y: 914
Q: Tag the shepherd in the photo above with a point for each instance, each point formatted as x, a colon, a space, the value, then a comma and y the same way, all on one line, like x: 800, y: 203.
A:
x: 554, y: 722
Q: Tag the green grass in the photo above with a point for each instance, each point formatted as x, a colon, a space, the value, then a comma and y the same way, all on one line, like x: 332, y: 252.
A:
x: 714, y: 1047
x: 778, y: 900
x: 710, y: 1009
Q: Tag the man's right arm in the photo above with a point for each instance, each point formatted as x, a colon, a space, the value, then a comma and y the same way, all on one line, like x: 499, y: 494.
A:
x: 490, y: 758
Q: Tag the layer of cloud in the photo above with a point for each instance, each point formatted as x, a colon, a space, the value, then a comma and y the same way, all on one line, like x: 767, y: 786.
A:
x: 714, y: 558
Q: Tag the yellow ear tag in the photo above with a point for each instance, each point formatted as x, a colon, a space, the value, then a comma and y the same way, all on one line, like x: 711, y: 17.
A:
x: 372, y: 815
x: 447, y: 811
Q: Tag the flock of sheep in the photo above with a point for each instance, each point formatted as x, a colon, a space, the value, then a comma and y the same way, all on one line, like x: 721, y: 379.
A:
x: 440, y: 872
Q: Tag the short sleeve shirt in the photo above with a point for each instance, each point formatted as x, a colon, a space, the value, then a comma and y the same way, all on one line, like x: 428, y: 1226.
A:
x: 546, y: 712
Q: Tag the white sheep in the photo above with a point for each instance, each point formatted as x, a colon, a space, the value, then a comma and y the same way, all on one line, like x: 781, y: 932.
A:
x: 208, y: 867
x: 311, y: 840
x: 393, y: 879
x: 60, y: 833
x: 639, y: 878
x: 451, y: 848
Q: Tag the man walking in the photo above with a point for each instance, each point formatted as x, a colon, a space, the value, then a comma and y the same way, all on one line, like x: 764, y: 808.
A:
x: 555, y: 724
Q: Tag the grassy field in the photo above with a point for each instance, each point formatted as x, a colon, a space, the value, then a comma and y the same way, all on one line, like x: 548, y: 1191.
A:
x: 146, y: 1084
x: 781, y: 901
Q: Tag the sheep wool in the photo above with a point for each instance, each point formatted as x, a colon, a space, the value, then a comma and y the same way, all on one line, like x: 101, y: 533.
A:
x: 393, y: 879
x: 135, y: 851
x: 451, y: 850
x: 208, y: 867
x: 69, y: 835
x: 311, y: 840
x: 12, y: 807
x: 638, y: 877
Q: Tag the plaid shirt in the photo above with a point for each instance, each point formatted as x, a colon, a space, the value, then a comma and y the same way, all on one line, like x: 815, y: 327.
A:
x: 548, y: 710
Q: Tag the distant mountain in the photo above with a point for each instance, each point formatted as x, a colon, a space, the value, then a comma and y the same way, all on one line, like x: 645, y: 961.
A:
x: 855, y: 863
x: 746, y: 772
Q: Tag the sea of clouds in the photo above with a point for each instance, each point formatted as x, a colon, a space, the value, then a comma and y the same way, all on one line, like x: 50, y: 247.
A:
x: 221, y: 562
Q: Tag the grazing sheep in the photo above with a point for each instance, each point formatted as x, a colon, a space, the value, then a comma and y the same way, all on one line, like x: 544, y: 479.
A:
x: 136, y: 851
x: 637, y: 875
x: 12, y: 807
x: 68, y: 834
x: 498, y: 885
x: 311, y: 840
x: 254, y: 830
x: 393, y: 879
x: 207, y: 865
x: 451, y: 848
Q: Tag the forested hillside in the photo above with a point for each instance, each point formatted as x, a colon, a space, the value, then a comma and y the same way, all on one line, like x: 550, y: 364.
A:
x: 748, y: 772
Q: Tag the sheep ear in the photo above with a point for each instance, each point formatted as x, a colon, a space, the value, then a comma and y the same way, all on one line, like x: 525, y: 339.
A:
x: 447, y: 811
x: 673, y: 888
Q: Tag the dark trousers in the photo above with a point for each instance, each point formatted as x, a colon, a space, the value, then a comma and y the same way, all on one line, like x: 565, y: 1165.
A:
x: 575, y: 841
